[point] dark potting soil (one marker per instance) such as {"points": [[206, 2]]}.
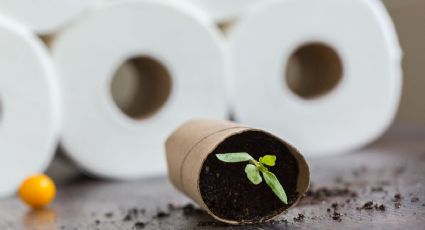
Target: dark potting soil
{"points": [[228, 193]]}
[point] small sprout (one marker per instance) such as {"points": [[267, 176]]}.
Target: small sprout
{"points": [[253, 174], [269, 160], [234, 157], [276, 187], [253, 169]]}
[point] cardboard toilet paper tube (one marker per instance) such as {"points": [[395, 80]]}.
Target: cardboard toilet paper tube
{"points": [[329, 79], [223, 189]]}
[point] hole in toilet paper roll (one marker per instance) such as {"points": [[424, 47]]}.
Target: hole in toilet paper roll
{"points": [[140, 87], [313, 70]]}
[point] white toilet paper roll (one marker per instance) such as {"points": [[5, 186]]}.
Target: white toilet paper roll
{"points": [[45, 16], [223, 10], [29, 106], [353, 41], [97, 135]]}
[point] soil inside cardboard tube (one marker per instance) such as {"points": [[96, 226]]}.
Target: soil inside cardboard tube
{"points": [[228, 193]]}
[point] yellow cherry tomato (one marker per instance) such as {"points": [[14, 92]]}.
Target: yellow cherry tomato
{"points": [[37, 191]]}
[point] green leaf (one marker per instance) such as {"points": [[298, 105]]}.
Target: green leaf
{"points": [[262, 168], [234, 157], [253, 174], [269, 160], [275, 185]]}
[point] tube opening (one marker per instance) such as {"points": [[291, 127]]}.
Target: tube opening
{"points": [[227, 192], [313, 70], [140, 87]]}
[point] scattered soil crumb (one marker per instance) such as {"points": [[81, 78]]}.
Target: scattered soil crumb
{"points": [[397, 204], [414, 199], [161, 214], [127, 218], [131, 214], [336, 216], [97, 222], [368, 205], [299, 218], [283, 221], [397, 197], [139, 225], [134, 211], [109, 214], [380, 207]]}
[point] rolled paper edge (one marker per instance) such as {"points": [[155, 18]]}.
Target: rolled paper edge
{"points": [[187, 137], [204, 141]]}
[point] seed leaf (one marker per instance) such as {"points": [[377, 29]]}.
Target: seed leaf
{"points": [[234, 157], [253, 174], [269, 160], [276, 187]]}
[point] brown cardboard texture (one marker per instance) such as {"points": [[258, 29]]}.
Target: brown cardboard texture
{"points": [[222, 188]]}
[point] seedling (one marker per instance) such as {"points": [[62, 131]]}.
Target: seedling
{"points": [[253, 169]]}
